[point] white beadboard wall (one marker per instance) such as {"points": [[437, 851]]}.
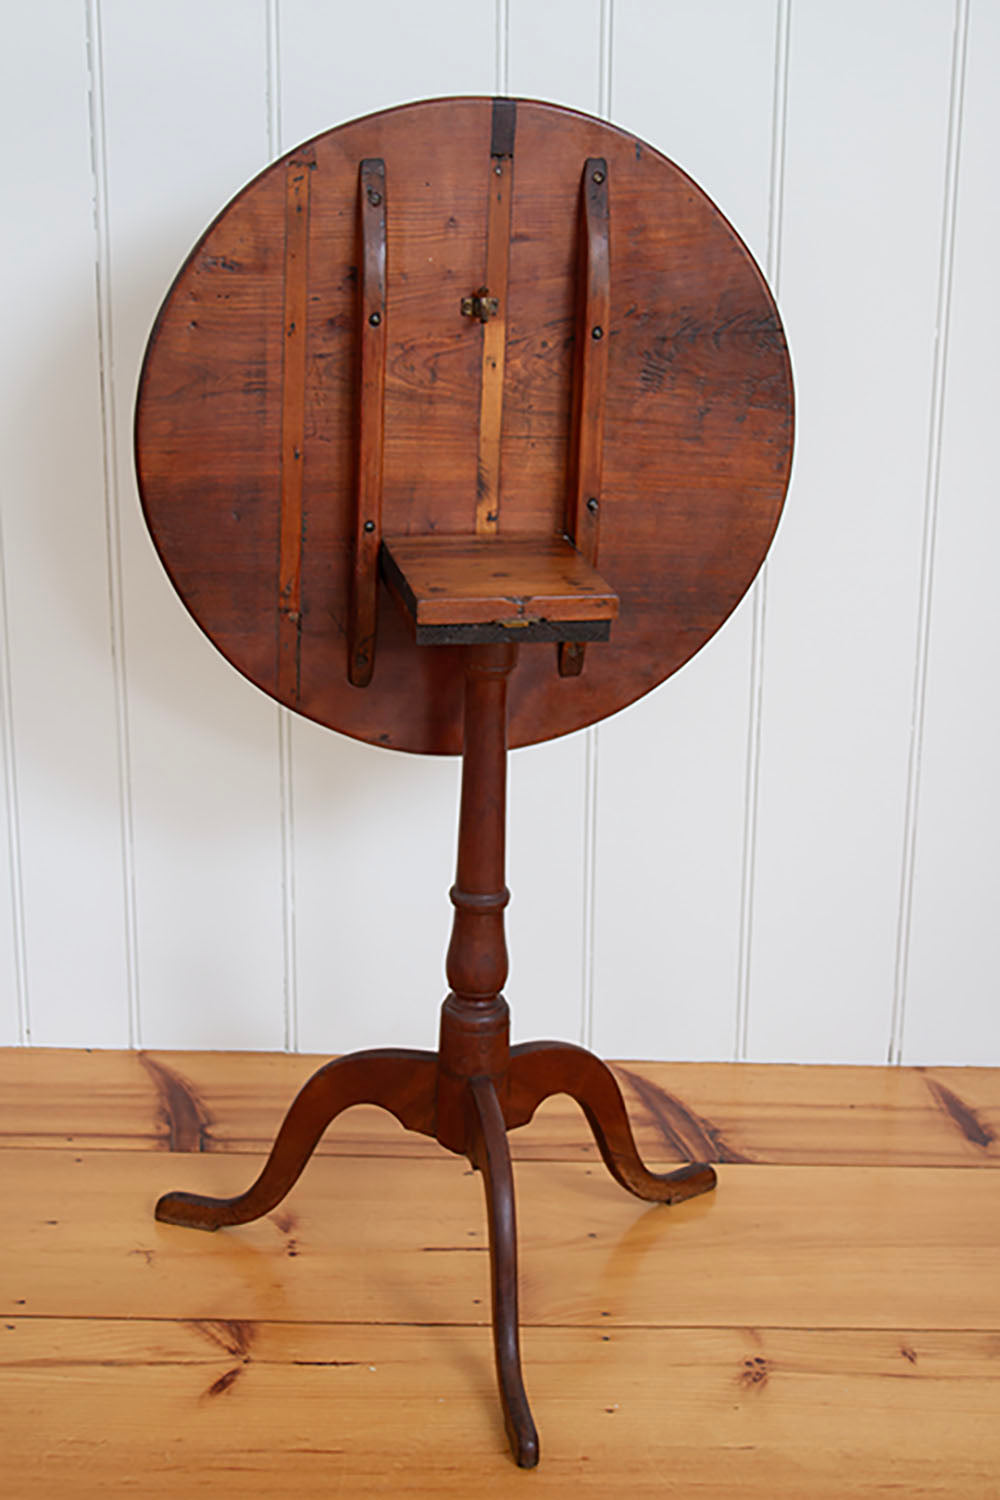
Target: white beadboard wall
{"points": [[785, 853]]}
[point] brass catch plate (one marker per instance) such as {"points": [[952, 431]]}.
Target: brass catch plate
{"points": [[480, 305]]}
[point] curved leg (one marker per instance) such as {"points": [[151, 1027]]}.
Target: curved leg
{"points": [[398, 1079], [492, 1156], [539, 1069]]}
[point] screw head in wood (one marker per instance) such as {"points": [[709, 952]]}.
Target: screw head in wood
{"points": [[592, 505], [375, 319], [597, 177], [369, 525], [597, 333], [374, 198]]}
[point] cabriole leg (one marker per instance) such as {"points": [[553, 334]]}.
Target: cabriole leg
{"points": [[399, 1080], [540, 1069], [492, 1155]]}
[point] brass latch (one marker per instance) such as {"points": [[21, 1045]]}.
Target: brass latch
{"points": [[480, 305]]}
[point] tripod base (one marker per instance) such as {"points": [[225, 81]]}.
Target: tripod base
{"points": [[470, 1115]]}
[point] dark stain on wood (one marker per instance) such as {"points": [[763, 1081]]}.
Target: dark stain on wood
{"points": [[285, 1222], [225, 1382], [690, 1136], [234, 1335], [908, 1353], [975, 1130], [753, 1375], [183, 1116]]}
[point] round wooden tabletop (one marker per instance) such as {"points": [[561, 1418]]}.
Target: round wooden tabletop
{"points": [[248, 410]]}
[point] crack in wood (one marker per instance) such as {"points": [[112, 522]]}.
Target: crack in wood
{"points": [[326, 1364], [443, 1249], [689, 1135], [184, 1115]]}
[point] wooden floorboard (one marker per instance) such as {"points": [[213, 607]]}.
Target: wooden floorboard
{"points": [[405, 1241], [211, 1101], [163, 1408], [827, 1324]]}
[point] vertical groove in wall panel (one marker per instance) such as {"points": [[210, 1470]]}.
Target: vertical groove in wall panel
{"points": [[287, 813], [697, 82], [751, 805], [286, 764], [18, 950], [185, 127], [931, 493], [951, 1011], [555, 52], [860, 269], [272, 24], [772, 266], [589, 924], [606, 55], [60, 722], [112, 509], [502, 57]]}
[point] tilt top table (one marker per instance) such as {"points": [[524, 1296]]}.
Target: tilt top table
{"points": [[463, 426]]}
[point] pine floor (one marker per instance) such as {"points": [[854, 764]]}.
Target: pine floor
{"points": [[827, 1324]]}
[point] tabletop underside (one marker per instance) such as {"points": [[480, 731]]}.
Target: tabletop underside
{"points": [[254, 386]]}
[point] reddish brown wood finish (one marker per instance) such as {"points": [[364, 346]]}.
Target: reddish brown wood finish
{"points": [[590, 380], [491, 1154], [541, 1069], [468, 580], [298, 176], [371, 420], [697, 432], [634, 374], [399, 1080], [475, 1087]]}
